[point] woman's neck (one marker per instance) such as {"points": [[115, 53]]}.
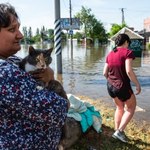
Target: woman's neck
{"points": [[121, 47], [124, 45]]}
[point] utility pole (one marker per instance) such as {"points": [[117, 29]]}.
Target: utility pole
{"points": [[70, 12], [123, 19], [57, 38]]}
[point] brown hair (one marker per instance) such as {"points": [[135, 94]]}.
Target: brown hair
{"points": [[6, 10], [120, 40]]}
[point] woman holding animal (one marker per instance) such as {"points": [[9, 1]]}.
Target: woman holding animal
{"points": [[30, 118], [118, 72]]}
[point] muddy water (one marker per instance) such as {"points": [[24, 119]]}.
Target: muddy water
{"points": [[82, 74]]}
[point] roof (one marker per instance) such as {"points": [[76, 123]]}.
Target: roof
{"points": [[129, 32]]}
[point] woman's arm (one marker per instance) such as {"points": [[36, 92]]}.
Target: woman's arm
{"points": [[19, 92], [131, 75], [105, 70]]}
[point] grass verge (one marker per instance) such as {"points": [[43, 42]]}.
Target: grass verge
{"points": [[139, 135]]}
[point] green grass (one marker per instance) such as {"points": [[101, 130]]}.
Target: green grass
{"points": [[139, 135]]}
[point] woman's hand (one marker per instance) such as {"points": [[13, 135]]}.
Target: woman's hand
{"points": [[132, 76], [105, 70], [44, 75], [138, 89]]}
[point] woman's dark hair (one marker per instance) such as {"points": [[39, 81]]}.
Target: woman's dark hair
{"points": [[6, 10], [120, 40]]}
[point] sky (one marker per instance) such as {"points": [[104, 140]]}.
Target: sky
{"points": [[38, 13]]}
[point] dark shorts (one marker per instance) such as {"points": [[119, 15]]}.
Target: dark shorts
{"points": [[123, 94]]}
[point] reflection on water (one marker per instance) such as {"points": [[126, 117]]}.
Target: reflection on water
{"points": [[82, 72]]}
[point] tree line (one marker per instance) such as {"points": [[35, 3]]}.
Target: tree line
{"points": [[42, 34]]}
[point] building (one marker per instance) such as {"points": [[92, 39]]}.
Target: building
{"points": [[147, 24]]}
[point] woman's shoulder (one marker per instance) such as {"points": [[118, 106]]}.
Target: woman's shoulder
{"points": [[10, 64], [14, 59], [125, 50], [127, 53]]}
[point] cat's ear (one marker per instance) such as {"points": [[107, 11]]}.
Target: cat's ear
{"points": [[50, 51], [31, 49]]}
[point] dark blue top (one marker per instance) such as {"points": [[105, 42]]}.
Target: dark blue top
{"points": [[30, 118]]}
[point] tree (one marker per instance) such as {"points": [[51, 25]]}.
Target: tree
{"points": [[30, 33], [37, 31], [30, 36], [24, 30], [84, 16], [90, 25], [78, 36], [99, 32], [115, 28], [37, 36], [43, 34], [51, 34]]}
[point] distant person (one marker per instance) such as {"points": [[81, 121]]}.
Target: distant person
{"points": [[30, 118], [118, 72]]}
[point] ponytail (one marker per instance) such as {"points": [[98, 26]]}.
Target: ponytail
{"points": [[120, 40]]}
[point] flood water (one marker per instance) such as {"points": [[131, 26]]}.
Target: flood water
{"points": [[82, 74]]}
